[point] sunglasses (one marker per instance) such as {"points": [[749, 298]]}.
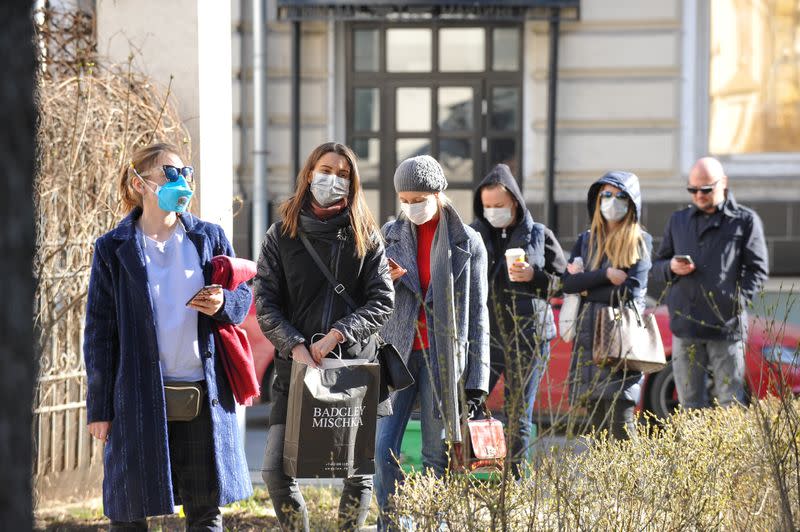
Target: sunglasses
{"points": [[172, 173], [702, 190], [609, 194]]}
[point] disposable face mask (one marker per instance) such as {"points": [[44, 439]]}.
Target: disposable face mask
{"points": [[173, 196], [498, 217], [421, 212], [613, 209], [327, 189]]}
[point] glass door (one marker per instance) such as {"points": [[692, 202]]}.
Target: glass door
{"points": [[449, 91]]}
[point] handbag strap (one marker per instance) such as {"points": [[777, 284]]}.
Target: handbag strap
{"points": [[337, 286], [615, 294]]}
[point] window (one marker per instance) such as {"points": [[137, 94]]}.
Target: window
{"points": [[754, 77], [450, 90]]}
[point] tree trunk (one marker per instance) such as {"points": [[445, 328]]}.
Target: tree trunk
{"points": [[17, 152]]}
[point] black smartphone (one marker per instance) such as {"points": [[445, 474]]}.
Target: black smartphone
{"points": [[686, 259], [206, 289]]}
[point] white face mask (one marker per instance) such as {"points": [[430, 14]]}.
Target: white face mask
{"points": [[421, 212], [613, 209], [327, 189], [499, 217]]}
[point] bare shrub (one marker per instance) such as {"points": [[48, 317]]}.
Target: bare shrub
{"points": [[87, 126], [703, 470]]}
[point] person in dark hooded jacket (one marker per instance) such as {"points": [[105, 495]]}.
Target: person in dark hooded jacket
{"points": [[616, 252], [520, 318], [295, 305]]}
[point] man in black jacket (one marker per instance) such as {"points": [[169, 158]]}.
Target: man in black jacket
{"points": [[714, 261]]}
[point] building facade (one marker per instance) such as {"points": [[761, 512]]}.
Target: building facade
{"points": [[647, 87]]}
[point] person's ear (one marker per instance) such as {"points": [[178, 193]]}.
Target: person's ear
{"points": [[137, 185]]}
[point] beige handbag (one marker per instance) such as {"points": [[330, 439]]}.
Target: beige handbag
{"points": [[625, 338]]}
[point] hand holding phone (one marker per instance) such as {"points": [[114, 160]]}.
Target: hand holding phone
{"points": [[395, 270], [203, 292], [682, 265]]}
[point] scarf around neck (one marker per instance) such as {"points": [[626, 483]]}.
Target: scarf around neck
{"points": [[337, 226], [444, 330], [324, 213]]}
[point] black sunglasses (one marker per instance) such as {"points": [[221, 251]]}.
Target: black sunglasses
{"points": [[172, 173], [609, 194], [702, 190]]}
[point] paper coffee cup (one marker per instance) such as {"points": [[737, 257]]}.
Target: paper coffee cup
{"points": [[514, 255]]}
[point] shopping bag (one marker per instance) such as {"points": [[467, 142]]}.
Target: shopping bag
{"points": [[331, 417], [568, 317]]}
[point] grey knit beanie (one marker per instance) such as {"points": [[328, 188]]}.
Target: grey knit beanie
{"points": [[422, 173]]}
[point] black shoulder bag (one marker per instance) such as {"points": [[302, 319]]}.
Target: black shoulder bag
{"points": [[394, 371]]}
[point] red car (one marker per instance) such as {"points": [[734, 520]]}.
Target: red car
{"points": [[772, 357]]}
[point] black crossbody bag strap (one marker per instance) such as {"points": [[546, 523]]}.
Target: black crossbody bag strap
{"points": [[337, 286]]}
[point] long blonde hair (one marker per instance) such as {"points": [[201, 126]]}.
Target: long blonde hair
{"points": [[364, 226], [623, 247]]}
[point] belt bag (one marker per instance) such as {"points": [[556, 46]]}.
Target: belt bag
{"points": [[184, 400]]}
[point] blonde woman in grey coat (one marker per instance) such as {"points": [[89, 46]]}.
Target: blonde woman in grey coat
{"points": [[440, 324]]}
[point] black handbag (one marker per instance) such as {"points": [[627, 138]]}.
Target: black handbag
{"points": [[394, 372]]}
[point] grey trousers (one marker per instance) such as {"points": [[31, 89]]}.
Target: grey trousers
{"points": [[694, 360], [290, 507]]}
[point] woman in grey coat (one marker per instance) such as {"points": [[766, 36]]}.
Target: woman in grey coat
{"points": [[616, 253], [440, 323]]}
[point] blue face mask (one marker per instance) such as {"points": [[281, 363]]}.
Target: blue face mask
{"points": [[173, 196]]}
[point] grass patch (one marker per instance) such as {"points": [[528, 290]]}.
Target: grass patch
{"points": [[255, 513]]}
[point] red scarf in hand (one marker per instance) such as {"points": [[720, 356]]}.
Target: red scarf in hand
{"points": [[232, 344]]}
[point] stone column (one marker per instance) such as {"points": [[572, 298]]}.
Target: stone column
{"points": [[190, 41]]}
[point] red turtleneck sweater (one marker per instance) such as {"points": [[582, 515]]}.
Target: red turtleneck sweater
{"points": [[425, 234]]}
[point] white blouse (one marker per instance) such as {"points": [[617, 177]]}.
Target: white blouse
{"points": [[173, 276]]}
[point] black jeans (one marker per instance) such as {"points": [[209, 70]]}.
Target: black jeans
{"points": [[194, 477], [617, 415]]}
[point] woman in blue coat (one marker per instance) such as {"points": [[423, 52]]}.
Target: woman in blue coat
{"points": [[141, 334], [616, 253]]}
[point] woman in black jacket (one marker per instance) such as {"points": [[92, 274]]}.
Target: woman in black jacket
{"points": [[295, 304], [616, 252]]}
